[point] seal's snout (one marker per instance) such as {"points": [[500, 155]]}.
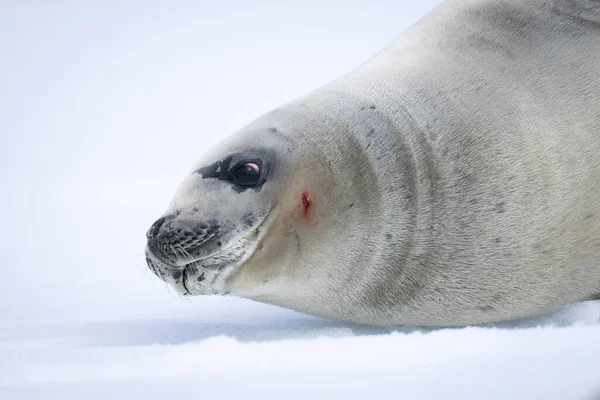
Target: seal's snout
{"points": [[158, 242], [177, 242], [153, 231]]}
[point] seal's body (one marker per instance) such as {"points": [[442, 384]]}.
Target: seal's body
{"points": [[453, 179]]}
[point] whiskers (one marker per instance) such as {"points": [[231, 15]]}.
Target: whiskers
{"points": [[179, 250], [183, 253]]}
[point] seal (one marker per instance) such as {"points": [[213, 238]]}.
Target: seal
{"points": [[453, 179]]}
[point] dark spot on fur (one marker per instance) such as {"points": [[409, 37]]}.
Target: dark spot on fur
{"points": [[176, 274], [485, 309], [248, 219], [272, 129], [201, 277], [195, 209], [497, 240], [499, 207], [388, 235], [370, 107], [219, 243], [497, 298], [298, 245], [432, 136], [369, 135], [588, 216], [351, 205]]}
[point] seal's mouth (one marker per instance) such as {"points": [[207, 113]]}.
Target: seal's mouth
{"points": [[207, 274]]}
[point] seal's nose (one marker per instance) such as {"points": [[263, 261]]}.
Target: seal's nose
{"points": [[153, 231]]}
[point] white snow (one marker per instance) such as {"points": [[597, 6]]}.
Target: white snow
{"points": [[105, 106], [285, 355]]}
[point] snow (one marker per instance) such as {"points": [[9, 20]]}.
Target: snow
{"points": [[105, 107], [289, 355]]}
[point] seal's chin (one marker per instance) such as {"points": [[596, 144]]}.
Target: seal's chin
{"points": [[208, 274]]}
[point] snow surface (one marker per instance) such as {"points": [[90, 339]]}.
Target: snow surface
{"points": [[105, 107], [285, 355]]}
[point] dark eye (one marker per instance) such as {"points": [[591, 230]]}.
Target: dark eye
{"points": [[247, 174]]}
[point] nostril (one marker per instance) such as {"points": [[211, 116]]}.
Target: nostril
{"points": [[153, 231]]}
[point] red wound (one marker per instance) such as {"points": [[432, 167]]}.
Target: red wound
{"points": [[306, 202]]}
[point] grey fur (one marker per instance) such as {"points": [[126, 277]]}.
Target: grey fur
{"points": [[454, 178]]}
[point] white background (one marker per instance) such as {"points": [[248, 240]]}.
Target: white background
{"points": [[104, 106]]}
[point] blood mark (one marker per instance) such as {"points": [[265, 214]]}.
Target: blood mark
{"points": [[306, 202]]}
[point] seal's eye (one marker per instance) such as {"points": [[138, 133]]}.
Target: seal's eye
{"points": [[247, 174]]}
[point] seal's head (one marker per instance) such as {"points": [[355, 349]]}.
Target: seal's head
{"points": [[217, 219], [276, 213]]}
